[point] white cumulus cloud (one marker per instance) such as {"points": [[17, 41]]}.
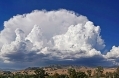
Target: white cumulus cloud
{"points": [[51, 35], [80, 37], [113, 55]]}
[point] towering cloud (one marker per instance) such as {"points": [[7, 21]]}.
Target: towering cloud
{"points": [[80, 37], [55, 36], [36, 37]]}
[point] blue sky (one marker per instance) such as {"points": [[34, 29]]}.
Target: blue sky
{"points": [[104, 13]]}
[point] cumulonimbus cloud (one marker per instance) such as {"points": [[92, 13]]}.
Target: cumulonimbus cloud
{"points": [[45, 35]]}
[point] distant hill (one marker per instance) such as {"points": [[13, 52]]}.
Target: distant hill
{"points": [[7, 69]]}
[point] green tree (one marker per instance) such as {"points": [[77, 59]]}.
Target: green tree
{"points": [[56, 75], [40, 73], [115, 75], [72, 73], [25, 74], [63, 76], [99, 71], [117, 70], [110, 74], [81, 75], [89, 73], [107, 74]]}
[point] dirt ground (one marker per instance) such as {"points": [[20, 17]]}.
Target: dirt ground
{"points": [[52, 71]]}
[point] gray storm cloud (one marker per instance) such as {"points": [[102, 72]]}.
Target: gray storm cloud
{"points": [[45, 35]]}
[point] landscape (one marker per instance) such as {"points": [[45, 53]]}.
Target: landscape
{"points": [[59, 39], [62, 71]]}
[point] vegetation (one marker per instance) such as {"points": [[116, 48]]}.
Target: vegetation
{"points": [[72, 73], [39, 73], [99, 71], [89, 73]]}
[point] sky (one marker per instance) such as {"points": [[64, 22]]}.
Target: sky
{"points": [[44, 32]]}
